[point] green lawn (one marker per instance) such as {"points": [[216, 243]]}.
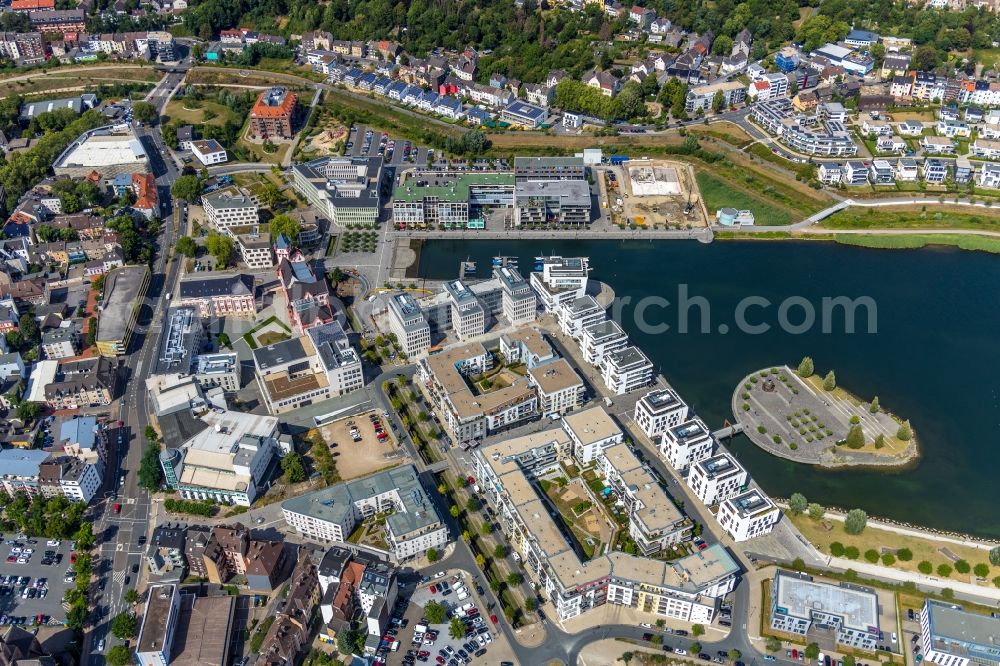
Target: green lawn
{"points": [[931, 217], [197, 116], [988, 57], [718, 193], [916, 241]]}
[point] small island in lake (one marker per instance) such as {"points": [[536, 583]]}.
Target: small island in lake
{"points": [[806, 418]]}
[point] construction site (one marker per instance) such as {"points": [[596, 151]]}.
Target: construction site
{"points": [[655, 194]]}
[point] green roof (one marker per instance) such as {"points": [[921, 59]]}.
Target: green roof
{"points": [[455, 190]]}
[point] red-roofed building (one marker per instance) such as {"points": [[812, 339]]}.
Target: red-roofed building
{"points": [[32, 5], [272, 114], [144, 186]]}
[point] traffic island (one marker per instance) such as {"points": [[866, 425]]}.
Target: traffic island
{"points": [[809, 419]]}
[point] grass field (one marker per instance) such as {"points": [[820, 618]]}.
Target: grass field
{"points": [[718, 193], [824, 532], [175, 110], [908, 217], [916, 241], [56, 80], [988, 57]]}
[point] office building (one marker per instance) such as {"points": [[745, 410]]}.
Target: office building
{"points": [[552, 202], [331, 514], [468, 416], [407, 322], [468, 317], [254, 246], [183, 629], [600, 339], [749, 515], [626, 370], [273, 114], [209, 152], [953, 636], [658, 410], [517, 298], [219, 294], [814, 609], [124, 289], [230, 207], [451, 201], [159, 626], [559, 280], [685, 444], [344, 189], [560, 389], [717, 478], [549, 168], [221, 370]]}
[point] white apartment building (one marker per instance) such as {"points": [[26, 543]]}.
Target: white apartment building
{"points": [[907, 169], [254, 247], [591, 432], [626, 370], [658, 410], [578, 314], [600, 339], [61, 342], [408, 323], [468, 317], [518, 300], [801, 603], [331, 514], [749, 515], [559, 280], [229, 208], [717, 478], [655, 523], [209, 152], [989, 175], [685, 444], [985, 148], [560, 389], [526, 345], [80, 481]]}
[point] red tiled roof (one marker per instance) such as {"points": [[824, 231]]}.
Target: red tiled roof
{"points": [[145, 187], [31, 5], [263, 110]]}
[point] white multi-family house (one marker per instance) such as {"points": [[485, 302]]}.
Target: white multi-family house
{"points": [[910, 128], [953, 128], [907, 170], [890, 144], [578, 314], [591, 432], [659, 410], [685, 444], [876, 127], [987, 148], [717, 478], [749, 515], [989, 175], [626, 370], [830, 173], [938, 145]]}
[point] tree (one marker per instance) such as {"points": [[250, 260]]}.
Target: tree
{"points": [[962, 566], [849, 660], [454, 511], [944, 570], [830, 381], [905, 432], [285, 224], [145, 112], [514, 579], [718, 101], [456, 629], [485, 529], [432, 555], [837, 549], [797, 503], [925, 58], [722, 45], [812, 651], [871, 555], [221, 247], [84, 537], [269, 194], [697, 630], [874, 406], [480, 560], [500, 551], [27, 412], [904, 554], [124, 626], [695, 648], [995, 556], [852, 552], [350, 641], [118, 655], [888, 559], [28, 328], [436, 613], [150, 472], [186, 246], [131, 596], [879, 442], [816, 511], [735, 654], [805, 368], [925, 567], [982, 570], [530, 604], [772, 644], [294, 470], [855, 437], [187, 187], [472, 504], [855, 521], [151, 434]]}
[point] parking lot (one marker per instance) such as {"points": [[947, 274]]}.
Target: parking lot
{"points": [[16, 599], [358, 144], [481, 644]]}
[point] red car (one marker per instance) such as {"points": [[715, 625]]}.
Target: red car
{"points": [[493, 619], [433, 589], [439, 659], [472, 612], [470, 480], [795, 655], [118, 507], [423, 653]]}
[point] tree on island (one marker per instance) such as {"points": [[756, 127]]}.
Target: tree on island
{"points": [[806, 368], [905, 432], [880, 441], [855, 437], [855, 521], [830, 381], [874, 407], [797, 503]]}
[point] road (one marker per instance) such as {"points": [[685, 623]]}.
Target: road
{"points": [[121, 556]]}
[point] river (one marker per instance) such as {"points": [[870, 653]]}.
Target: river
{"points": [[933, 359]]}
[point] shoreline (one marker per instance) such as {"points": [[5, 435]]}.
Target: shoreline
{"points": [[828, 457]]}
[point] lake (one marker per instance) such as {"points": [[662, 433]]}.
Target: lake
{"points": [[933, 359]]}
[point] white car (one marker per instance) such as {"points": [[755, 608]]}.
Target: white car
{"points": [[440, 574], [53, 542], [27, 551], [680, 651], [22, 560], [646, 625], [100, 645]]}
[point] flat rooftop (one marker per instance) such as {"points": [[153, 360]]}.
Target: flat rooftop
{"points": [[155, 619], [980, 633], [591, 425], [720, 465], [451, 188], [800, 597], [662, 400], [629, 356], [101, 148], [555, 376], [204, 630], [752, 503], [123, 289], [445, 367], [689, 431]]}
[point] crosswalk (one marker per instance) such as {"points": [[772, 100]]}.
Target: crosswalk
{"points": [[119, 577]]}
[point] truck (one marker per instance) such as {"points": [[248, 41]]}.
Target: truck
{"points": [[617, 160]]}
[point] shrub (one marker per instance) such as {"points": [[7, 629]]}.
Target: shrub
{"points": [[888, 559], [871, 555], [962, 567], [982, 570], [944, 570], [855, 521], [852, 553], [904, 554], [837, 549], [925, 567]]}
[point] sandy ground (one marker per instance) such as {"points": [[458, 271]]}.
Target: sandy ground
{"points": [[358, 459], [324, 142]]}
